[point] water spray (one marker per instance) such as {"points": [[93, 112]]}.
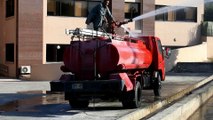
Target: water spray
{"points": [[163, 10], [172, 8]]}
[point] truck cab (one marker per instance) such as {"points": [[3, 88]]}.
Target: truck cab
{"points": [[155, 46]]}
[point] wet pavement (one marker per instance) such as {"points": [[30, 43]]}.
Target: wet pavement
{"points": [[27, 100], [13, 89]]}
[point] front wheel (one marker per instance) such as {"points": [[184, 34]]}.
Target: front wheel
{"points": [[132, 99], [157, 85]]}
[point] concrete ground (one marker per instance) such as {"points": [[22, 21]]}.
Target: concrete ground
{"points": [[12, 89]]}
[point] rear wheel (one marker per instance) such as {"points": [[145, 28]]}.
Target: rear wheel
{"points": [[157, 85], [132, 99], [78, 103]]}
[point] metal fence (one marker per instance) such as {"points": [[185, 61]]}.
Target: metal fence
{"points": [[4, 70]]}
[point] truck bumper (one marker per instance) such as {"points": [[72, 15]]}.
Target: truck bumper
{"points": [[94, 86], [57, 86], [93, 89], [88, 89]]}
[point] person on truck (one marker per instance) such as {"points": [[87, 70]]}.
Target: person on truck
{"points": [[98, 16]]}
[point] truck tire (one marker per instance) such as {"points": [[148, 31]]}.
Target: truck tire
{"points": [[157, 85], [132, 99], [78, 103]]}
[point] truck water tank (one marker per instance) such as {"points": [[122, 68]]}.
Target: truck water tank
{"points": [[82, 57]]}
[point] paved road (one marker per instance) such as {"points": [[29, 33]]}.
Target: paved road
{"points": [[33, 104]]}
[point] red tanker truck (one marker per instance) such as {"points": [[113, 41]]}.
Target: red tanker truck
{"points": [[105, 66]]}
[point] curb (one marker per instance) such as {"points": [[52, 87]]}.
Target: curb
{"points": [[184, 108], [144, 112]]}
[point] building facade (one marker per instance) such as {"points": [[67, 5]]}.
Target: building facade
{"points": [[32, 32]]}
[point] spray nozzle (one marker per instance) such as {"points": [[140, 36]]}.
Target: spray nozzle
{"points": [[124, 22], [130, 20]]}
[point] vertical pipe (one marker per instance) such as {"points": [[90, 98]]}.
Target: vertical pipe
{"points": [[17, 37], [94, 58]]}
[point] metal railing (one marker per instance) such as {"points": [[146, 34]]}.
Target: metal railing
{"points": [[4, 70], [86, 34]]}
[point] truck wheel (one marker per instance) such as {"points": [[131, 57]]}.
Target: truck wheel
{"points": [[78, 103], [132, 99], [157, 85]]}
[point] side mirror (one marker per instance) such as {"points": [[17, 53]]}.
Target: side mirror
{"points": [[167, 52]]}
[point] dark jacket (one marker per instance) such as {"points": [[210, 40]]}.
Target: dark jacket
{"points": [[98, 15]]}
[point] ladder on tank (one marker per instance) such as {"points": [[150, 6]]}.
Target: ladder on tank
{"points": [[88, 34]]}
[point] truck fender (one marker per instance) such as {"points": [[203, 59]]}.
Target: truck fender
{"points": [[126, 82]]}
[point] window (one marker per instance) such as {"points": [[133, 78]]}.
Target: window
{"points": [[65, 7], [54, 53], [191, 14], [185, 14], [9, 8], [161, 17], [60, 7], [180, 15], [72, 8], [9, 52], [132, 10], [160, 48]]}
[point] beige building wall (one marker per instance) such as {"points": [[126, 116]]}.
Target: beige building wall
{"points": [[180, 33], [209, 40], [196, 53], [209, 48]]}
